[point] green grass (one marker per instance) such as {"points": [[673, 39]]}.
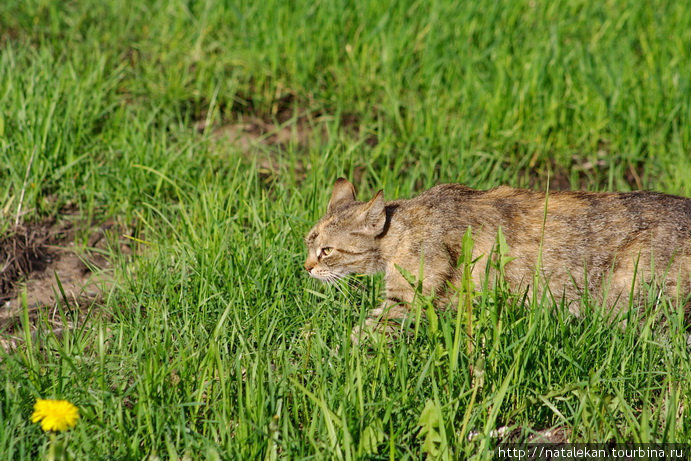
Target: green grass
{"points": [[214, 343]]}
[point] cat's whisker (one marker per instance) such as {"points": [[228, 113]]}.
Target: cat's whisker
{"points": [[348, 284], [340, 290], [355, 284], [342, 285]]}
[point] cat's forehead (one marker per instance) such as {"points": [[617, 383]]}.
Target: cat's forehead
{"points": [[337, 222], [312, 236], [318, 228], [326, 226]]}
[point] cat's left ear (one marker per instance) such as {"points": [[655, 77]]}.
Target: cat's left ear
{"points": [[343, 192], [374, 214]]}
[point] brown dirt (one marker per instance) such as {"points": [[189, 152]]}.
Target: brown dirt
{"points": [[584, 171], [33, 257], [249, 131], [249, 127], [264, 136]]}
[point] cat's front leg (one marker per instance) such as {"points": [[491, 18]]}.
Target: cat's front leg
{"points": [[393, 308], [388, 319]]}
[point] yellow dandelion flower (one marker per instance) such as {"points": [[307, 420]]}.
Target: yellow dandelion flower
{"points": [[55, 415]]}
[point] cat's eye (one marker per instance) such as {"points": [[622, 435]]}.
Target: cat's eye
{"points": [[326, 251]]}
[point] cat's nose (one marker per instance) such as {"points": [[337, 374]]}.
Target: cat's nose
{"points": [[309, 267]]}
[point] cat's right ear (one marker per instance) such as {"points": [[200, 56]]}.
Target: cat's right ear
{"points": [[343, 193]]}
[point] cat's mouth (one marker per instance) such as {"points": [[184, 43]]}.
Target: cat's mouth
{"points": [[328, 277]]}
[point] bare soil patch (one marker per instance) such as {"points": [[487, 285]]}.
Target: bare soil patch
{"points": [[264, 136], [34, 257], [248, 132], [583, 171]]}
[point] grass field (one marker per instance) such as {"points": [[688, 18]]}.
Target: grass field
{"points": [[215, 131]]}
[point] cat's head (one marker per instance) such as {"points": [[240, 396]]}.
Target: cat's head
{"points": [[345, 240]]}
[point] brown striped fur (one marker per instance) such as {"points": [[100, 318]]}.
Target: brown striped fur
{"points": [[593, 241]]}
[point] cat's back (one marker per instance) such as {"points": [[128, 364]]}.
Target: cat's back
{"points": [[450, 200], [442, 196], [452, 193], [655, 203], [579, 212]]}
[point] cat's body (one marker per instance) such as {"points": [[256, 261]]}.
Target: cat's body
{"points": [[601, 242]]}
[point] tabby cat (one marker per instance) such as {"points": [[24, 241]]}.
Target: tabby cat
{"points": [[604, 243]]}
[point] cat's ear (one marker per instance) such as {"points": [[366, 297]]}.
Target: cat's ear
{"points": [[343, 193], [374, 214]]}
